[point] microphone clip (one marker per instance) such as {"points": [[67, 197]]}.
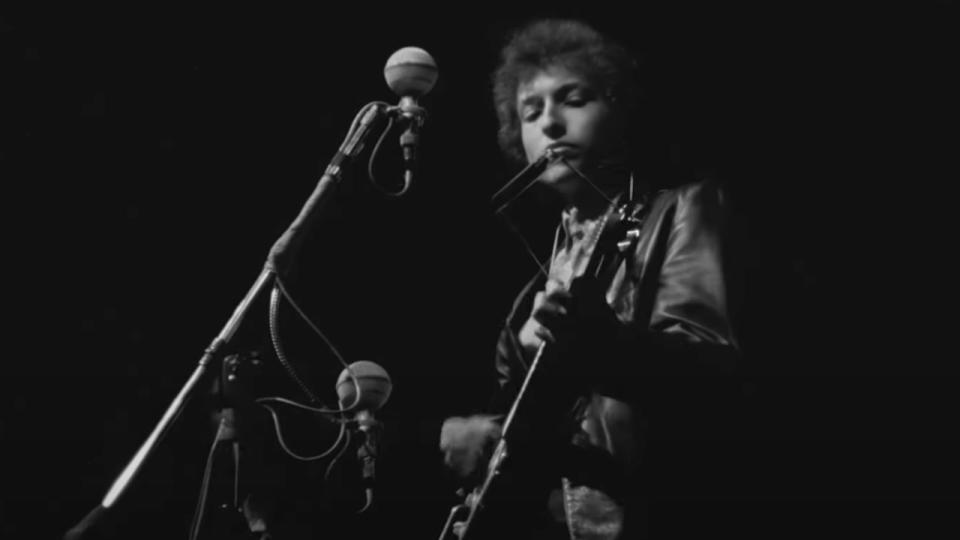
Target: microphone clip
{"points": [[367, 454], [368, 438], [411, 116], [368, 432], [408, 111]]}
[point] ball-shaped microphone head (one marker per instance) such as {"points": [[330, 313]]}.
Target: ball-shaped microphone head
{"points": [[374, 382], [410, 71]]}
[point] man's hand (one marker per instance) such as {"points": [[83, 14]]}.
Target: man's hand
{"points": [[466, 440], [550, 317], [582, 316]]}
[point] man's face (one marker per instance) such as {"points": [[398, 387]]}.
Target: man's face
{"points": [[563, 111]]}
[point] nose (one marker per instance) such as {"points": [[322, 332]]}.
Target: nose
{"points": [[552, 122]]}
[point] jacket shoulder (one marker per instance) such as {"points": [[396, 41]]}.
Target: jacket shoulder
{"points": [[707, 191], [706, 199]]}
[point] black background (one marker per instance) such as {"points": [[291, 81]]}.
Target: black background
{"points": [[151, 157]]}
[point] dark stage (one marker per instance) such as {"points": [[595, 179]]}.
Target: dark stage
{"points": [[152, 156]]}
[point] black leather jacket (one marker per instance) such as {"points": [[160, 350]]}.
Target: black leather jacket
{"points": [[672, 297]]}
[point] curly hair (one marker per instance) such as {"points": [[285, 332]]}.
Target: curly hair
{"points": [[568, 43]]}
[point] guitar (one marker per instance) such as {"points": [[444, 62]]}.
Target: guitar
{"points": [[616, 235]]}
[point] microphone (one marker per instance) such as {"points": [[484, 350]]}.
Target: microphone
{"points": [[374, 390], [411, 73]]}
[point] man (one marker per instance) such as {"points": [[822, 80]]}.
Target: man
{"points": [[612, 341]]}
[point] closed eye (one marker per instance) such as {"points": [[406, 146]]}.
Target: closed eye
{"points": [[576, 95], [529, 114]]}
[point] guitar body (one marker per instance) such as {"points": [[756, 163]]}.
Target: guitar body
{"points": [[523, 470]]}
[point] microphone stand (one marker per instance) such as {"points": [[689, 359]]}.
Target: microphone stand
{"points": [[282, 251]]}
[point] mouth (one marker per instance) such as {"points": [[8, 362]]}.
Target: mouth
{"points": [[564, 150]]}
